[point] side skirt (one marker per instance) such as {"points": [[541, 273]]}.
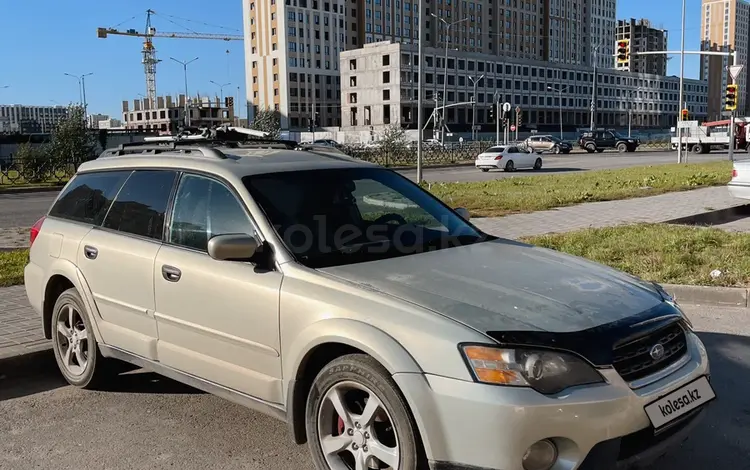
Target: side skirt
{"points": [[256, 404]]}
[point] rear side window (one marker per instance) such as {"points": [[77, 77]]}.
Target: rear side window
{"points": [[140, 206], [88, 197]]}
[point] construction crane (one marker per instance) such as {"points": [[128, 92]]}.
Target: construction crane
{"points": [[149, 51]]}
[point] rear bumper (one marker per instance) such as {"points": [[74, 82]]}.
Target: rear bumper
{"points": [[739, 190], [32, 278]]}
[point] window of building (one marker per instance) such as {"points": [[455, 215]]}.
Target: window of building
{"points": [[386, 77], [386, 60], [386, 113], [386, 95]]}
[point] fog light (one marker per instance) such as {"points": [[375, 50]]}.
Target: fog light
{"points": [[540, 456]]}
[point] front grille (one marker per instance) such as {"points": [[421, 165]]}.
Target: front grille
{"points": [[634, 361]]}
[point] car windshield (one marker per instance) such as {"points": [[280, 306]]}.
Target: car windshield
{"points": [[554, 139], [335, 217], [617, 135]]}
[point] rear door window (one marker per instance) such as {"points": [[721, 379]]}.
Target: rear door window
{"points": [[88, 197], [141, 204]]}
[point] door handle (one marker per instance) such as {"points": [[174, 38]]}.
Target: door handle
{"points": [[90, 252], [170, 273]]}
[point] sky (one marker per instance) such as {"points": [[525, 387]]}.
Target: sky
{"points": [[41, 40]]}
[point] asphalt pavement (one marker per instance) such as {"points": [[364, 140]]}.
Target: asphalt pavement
{"points": [[22, 210], [143, 421]]}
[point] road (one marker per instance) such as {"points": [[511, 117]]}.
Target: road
{"points": [[22, 210], [146, 422]]}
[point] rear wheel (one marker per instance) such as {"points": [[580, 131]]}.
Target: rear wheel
{"points": [[485, 170], [538, 164], [698, 148], [510, 166], [73, 342], [357, 418], [591, 148]]}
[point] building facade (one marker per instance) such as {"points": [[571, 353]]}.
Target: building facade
{"points": [[293, 47], [379, 88], [724, 27], [168, 113], [643, 38], [30, 119]]}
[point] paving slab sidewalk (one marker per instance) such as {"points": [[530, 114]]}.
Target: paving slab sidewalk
{"points": [[21, 330]]}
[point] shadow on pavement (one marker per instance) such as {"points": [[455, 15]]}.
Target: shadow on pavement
{"points": [[720, 440]]}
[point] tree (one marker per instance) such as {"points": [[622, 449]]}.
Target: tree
{"points": [[393, 138], [33, 162], [71, 141], [267, 120]]}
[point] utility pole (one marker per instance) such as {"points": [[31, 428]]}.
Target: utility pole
{"points": [[593, 88], [559, 91], [221, 88], [474, 106], [447, 27], [187, 96], [419, 92], [82, 91], [682, 87], [496, 104]]}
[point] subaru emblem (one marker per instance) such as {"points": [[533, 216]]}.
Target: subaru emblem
{"points": [[657, 352]]}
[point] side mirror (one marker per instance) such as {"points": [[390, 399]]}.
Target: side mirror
{"points": [[233, 247], [464, 213]]}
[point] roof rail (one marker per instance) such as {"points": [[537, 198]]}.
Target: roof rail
{"points": [[135, 148]]}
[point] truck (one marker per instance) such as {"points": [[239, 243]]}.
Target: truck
{"points": [[703, 137]]}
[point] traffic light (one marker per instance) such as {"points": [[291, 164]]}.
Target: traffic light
{"points": [[519, 117], [730, 104], [492, 113], [623, 51], [684, 114], [229, 101]]}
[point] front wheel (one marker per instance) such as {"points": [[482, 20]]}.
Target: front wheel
{"points": [[556, 150], [356, 418], [622, 148], [510, 166], [538, 164]]}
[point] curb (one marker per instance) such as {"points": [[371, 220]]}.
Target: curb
{"points": [[708, 295], [23, 190]]}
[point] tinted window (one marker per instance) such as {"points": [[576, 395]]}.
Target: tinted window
{"points": [[205, 208], [344, 216], [88, 196], [140, 206]]}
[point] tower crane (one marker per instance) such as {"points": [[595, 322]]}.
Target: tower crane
{"points": [[149, 51]]}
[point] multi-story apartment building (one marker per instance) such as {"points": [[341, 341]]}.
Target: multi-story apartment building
{"points": [[292, 57], [379, 87], [725, 26], [643, 38], [168, 114], [601, 21], [292, 47], [30, 119]]}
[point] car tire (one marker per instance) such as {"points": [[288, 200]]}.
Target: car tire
{"points": [[74, 343], [510, 166], [622, 148], [538, 164], [591, 148], [697, 148], [556, 150], [485, 170], [347, 385]]}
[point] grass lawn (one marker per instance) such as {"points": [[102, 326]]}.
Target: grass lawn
{"points": [[662, 253], [534, 193], [11, 267]]}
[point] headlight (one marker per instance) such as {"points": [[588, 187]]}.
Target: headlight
{"points": [[547, 372]]}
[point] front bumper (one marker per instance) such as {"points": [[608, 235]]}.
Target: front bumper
{"points": [[467, 425]]}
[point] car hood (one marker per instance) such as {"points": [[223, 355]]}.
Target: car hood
{"points": [[503, 285]]}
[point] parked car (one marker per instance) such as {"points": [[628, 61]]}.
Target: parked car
{"points": [[739, 185], [600, 140], [415, 339], [328, 142], [508, 157], [548, 143]]}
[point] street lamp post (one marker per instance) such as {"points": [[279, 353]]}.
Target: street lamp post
{"points": [[221, 88], [187, 96], [419, 91], [82, 91], [595, 54], [447, 27], [474, 106], [682, 87], [630, 110], [559, 91]]}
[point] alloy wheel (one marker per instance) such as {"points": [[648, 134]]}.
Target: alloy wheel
{"points": [[72, 340]]}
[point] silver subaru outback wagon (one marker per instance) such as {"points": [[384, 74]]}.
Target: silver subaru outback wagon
{"points": [[382, 326]]}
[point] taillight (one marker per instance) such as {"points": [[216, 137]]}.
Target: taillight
{"points": [[35, 230], [499, 157], [734, 173]]}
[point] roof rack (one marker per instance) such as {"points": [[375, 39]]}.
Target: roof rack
{"points": [[149, 148]]}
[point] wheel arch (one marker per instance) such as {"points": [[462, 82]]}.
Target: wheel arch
{"points": [[325, 341], [62, 276]]}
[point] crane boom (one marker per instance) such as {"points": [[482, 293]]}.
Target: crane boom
{"points": [[102, 33]]}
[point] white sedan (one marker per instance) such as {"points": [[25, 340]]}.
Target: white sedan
{"points": [[739, 186], [509, 158]]}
